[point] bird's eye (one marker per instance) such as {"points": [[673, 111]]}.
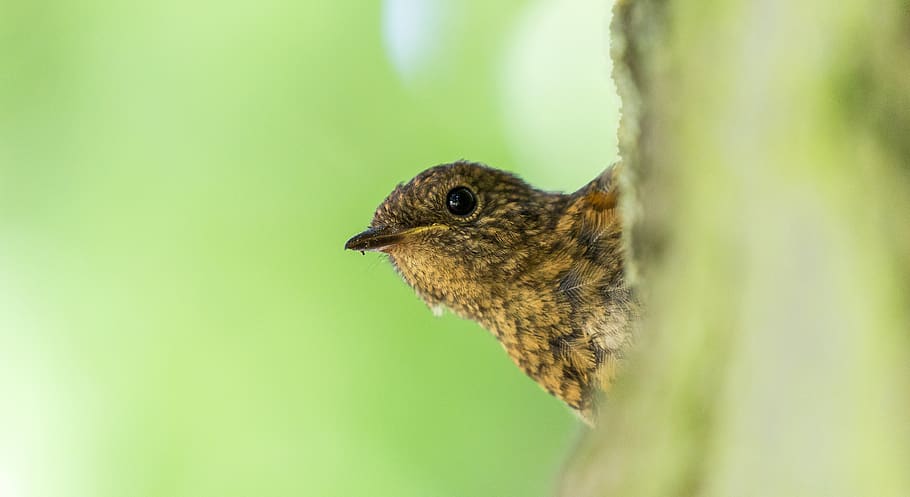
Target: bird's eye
{"points": [[461, 201]]}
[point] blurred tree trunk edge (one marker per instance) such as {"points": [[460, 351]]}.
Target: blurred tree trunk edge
{"points": [[767, 187]]}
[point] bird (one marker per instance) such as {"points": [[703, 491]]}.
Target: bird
{"points": [[544, 272]]}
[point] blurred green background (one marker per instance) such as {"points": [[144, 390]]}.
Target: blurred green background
{"points": [[177, 180]]}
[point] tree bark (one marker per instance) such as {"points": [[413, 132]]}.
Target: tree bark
{"points": [[767, 191]]}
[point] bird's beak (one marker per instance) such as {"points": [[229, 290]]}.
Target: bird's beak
{"points": [[375, 239], [378, 238]]}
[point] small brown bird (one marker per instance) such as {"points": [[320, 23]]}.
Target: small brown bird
{"points": [[541, 271]]}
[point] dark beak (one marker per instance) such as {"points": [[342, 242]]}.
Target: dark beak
{"points": [[374, 239]]}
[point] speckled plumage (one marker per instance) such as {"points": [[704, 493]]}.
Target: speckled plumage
{"points": [[541, 271]]}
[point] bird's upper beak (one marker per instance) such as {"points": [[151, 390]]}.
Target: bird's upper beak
{"points": [[375, 239]]}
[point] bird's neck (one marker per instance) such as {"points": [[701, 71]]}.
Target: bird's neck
{"points": [[566, 320]]}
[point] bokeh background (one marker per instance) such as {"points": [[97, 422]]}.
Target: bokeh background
{"points": [[177, 180]]}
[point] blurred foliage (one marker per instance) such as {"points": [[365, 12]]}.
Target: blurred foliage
{"points": [[177, 316]]}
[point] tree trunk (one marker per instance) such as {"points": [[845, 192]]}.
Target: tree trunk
{"points": [[767, 150]]}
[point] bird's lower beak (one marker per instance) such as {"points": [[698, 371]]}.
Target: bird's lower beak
{"points": [[375, 239]]}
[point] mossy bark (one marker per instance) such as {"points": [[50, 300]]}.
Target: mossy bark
{"points": [[767, 189]]}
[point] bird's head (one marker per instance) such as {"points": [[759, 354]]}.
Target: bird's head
{"points": [[456, 229]]}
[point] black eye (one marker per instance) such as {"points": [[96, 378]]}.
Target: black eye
{"points": [[461, 201]]}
